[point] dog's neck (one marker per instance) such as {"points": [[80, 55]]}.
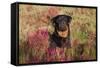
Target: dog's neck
{"points": [[61, 42]]}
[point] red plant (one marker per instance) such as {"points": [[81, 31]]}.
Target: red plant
{"points": [[75, 42], [48, 14], [38, 42], [52, 11], [39, 38], [51, 54], [55, 54]]}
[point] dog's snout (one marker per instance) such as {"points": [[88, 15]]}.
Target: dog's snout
{"points": [[62, 27]]}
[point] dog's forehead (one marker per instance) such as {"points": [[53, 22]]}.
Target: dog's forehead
{"points": [[62, 19]]}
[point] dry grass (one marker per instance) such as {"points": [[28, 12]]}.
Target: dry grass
{"points": [[33, 42]]}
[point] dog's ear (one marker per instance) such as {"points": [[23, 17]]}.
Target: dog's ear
{"points": [[69, 18], [53, 20]]}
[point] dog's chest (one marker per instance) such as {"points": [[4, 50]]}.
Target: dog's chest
{"points": [[58, 42]]}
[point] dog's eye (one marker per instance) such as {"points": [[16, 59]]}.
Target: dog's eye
{"points": [[63, 28]]}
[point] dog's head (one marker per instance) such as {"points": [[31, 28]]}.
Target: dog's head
{"points": [[61, 25]]}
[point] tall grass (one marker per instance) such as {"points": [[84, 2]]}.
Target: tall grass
{"points": [[35, 27]]}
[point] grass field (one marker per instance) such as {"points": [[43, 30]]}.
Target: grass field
{"points": [[35, 27]]}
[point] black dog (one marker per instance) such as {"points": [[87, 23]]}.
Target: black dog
{"points": [[61, 35]]}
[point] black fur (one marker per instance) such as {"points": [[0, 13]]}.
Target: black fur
{"points": [[60, 23]]}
